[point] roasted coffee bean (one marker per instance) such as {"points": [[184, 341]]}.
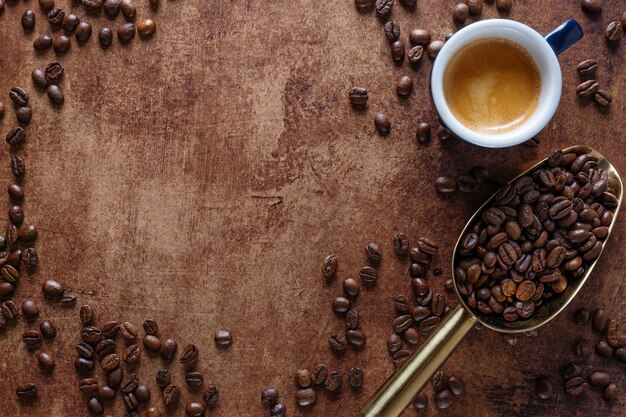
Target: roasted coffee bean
{"points": [[31, 338], [303, 378], [329, 267], [355, 377], [445, 185], [603, 98], [105, 37], [112, 8], [455, 386], [45, 360], [465, 183], [341, 305], [278, 410], [29, 308], [194, 379], [356, 338], [70, 22], [46, 5], [196, 409], [9, 310], [61, 44], [16, 137], [54, 72], [114, 378], [128, 9], [83, 366], [613, 31], [422, 133], [6, 288], [433, 49], [95, 407], [28, 234], [615, 335], [600, 320], [604, 349], [16, 215], [269, 397], [543, 388], [415, 55], [223, 338], [358, 98], [105, 347], [587, 88], [392, 31], [126, 32], [383, 8], [620, 354], [382, 123], [210, 396], [412, 336], [394, 343], [438, 304], [368, 276], [47, 329], [401, 243], [11, 275], [68, 298], [401, 303], [189, 354], [575, 386], [319, 374], [171, 395], [338, 342], [305, 397], [146, 27], [151, 327], [587, 67], [351, 287], [352, 319], [83, 32], [443, 134], [86, 314], [427, 325], [420, 286], [130, 384], [401, 323], [131, 355], [443, 399], [84, 350], [19, 96], [419, 37], [609, 393], [150, 412], [168, 348], [55, 95], [28, 20], [582, 316], [163, 378], [583, 348], [91, 334], [504, 6], [92, 4], [110, 329], [26, 391], [105, 393], [570, 371], [404, 86], [129, 331], [427, 246], [397, 52], [475, 6], [420, 402], [600, 378], [88, 386], [152, 343], [460, 13], [130, 402], [334, 381], [591, 6]]}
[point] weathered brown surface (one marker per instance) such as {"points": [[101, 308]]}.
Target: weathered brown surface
{"points": [[199, 178]]}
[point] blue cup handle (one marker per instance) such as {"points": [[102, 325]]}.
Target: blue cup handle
{"points": [[564, 36]]}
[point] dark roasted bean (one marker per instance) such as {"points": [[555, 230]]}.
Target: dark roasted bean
{"points": [[355, 377], [163, 378], [392, 31], [358, 98]]}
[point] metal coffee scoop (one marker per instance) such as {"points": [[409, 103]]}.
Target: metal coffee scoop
{"points": [[400, 389]]}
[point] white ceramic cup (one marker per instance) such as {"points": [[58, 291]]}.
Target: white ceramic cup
{"points": [[544, 51]]}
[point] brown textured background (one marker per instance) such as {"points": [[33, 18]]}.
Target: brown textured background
{"points": [[200, 177]]}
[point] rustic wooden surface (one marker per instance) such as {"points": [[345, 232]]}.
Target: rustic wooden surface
{"points": [[200, 177]]}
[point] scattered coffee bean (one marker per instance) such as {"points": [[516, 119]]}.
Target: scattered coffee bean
{"points": [[114, 378], [223, 338], [443, 399], [603, 98], [131, 355], [91, 335], [422, 133], [455, 385], [16, 137], [571, 370], [599, 379], [129, 331], [356, 338], [351, 287], [319, 374], [26, 391], [61, 44], [128, 9], [146, 27], [341, 305], [47, 329], [303, 378], [130, 384], [278, 410], [415, 55], [394, 343], [171, 395], [404, 86], [105, 393], [338, 342], [613, 31], [189, 355], [420, 402], [419, 37], [55, 95], [615, 335], [334, 381], [83, 32], [19, 96], [355, 377], [373, 253], [70, 22], [587, 67], [604, 349], [152, 343], [88, 386], [210, 396], [86, 314], [587, 88], [126, 32], [83, 366], [575, 386], [445, 185], [401, 243], [105, 37], [105, 347], [84, 350], [28, 20], [9, 310], [412, 336], [475, 7], [163, 378], [600, 320], [397, 52], [591, 6], [582, 316], [543, 388], [24, 114], [392, 31], [32, 338], [269, 397], [609, 393], [168, 348], [194, 379], [112, 8], [46, 5], [368, 276], [68, 298], [29, 309], [460, 13], [195, 409], [504, 6], [358, 99], [329, 267], [52, 288], [433, 49], [45, 360], [383, 8], [93, 4]]}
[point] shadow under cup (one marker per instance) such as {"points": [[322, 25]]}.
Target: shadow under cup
{"points": [[545, 60]]}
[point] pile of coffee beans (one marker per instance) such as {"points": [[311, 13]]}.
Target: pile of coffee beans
{"points": [[587, 69], [539, 232], [446, 388]]}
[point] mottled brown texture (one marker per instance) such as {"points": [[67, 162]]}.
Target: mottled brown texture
{"points": [[219, 166]]}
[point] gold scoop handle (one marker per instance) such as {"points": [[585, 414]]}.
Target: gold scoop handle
{"points": [[400, 389]]}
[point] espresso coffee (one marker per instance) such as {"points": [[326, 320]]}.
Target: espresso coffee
{"points": [[492, 85]]}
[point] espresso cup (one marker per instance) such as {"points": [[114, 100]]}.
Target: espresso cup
{"points": [[542, 50]]}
